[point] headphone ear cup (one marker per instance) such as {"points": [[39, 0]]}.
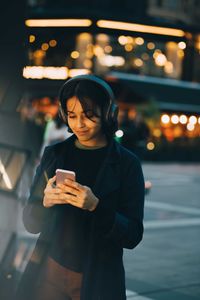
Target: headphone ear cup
{"points": [[112, 116]]}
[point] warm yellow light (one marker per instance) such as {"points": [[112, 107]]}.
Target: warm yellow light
{"points": [[119, 133], [128, 47], [108, 49], [130, 39], [157, 133], [160, 60], [87, 63], [109, 61], [102, 37], [84, 36], [138, 62], [182, 45], [183, 119], [190, 127], [52, 43], [171, 46], [75, 54], [193, 120], [40, 72], [156, 53], [31, 38], [58, 22], [180, 53], [89, 53], [45, 46], [123, 40], [75, 72], [199, 120], [168, 67], [140, 28], [174, 119], [165, 119], [139, 41], [151, 46], [98, 51], [150, 146]]}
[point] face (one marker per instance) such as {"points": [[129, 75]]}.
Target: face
{"points": [[88, 131]]}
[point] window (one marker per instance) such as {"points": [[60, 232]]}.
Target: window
{"points": [[12, 162]]}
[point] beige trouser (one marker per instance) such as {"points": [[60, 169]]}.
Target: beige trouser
{"points": [[58, 283]]}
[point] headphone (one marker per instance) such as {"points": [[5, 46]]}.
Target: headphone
{"points": [[111, 113]]}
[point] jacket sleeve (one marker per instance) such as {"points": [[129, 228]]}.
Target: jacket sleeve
{"points": [[35, 215], [125, 225]]}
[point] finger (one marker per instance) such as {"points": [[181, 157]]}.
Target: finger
{"points": [[74, 184], [75, 203], [51, 180], [51, 190], [48, 202], [67, 197], [68, 189]]}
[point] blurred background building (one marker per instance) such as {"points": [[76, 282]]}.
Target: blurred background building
{"points": [[147, 50]]}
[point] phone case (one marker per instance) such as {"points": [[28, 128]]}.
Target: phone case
{"points": [[61, 175]]}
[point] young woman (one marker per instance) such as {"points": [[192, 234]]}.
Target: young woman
{"points": [[84, 224]]}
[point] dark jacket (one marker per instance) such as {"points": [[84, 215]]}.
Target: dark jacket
{"points": [[116, 223]]}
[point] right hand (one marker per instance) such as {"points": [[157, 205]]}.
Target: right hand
{"points": [[53, 195]]}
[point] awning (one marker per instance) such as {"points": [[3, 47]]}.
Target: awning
{"points": [[171, 94]]}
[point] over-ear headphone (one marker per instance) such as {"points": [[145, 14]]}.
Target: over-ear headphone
{"points": [[110, 117]]}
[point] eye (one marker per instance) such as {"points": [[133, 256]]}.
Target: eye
{"points": [[89, 113], [70, 115]]}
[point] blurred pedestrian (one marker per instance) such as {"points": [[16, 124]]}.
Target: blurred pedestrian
{"points": [[84, 224], [55, 131], [136, 134]]}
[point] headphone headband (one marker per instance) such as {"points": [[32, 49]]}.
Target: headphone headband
{"points": [[92, 78], [112, 109]]}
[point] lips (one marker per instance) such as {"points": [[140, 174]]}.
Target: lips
{"points": [[82, 132]]}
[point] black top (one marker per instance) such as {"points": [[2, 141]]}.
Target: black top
{"points": [[73, 223]]}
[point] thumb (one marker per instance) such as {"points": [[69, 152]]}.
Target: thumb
{"points": [[52, 180]]}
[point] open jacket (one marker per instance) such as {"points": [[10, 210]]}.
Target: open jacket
{"points": [[116, 223]]}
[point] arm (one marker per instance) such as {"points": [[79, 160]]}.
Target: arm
{"points": [[125, 226], [35, 215]]}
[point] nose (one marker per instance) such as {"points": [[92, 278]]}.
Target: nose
{"points": [[80, 122]]}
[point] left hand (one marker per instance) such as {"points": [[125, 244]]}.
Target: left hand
{"points": [[78, 195]]}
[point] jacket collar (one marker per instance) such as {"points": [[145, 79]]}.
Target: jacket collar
{"points": [[108, 176], [113, 152]]}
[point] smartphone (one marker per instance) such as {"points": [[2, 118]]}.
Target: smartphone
{"points": [[61, 175]]}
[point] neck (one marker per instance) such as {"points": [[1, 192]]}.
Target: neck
{"points": [[91, 145]]}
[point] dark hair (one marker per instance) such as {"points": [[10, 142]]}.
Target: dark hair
{"points": [[86, 90]]}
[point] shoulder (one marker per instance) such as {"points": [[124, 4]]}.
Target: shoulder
{"points": [[126, 155], [52, 152], [56, 148]]}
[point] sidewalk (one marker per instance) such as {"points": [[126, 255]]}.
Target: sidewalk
{"points": [[166, 265]]}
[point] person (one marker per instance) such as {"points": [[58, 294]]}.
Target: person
{"points": [[136, 135], [84, 224], [55, 132]]}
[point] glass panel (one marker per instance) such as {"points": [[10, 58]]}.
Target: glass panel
{"points": [[11, 166]]}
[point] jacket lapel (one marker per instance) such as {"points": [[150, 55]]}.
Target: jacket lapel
{"points": [[108, 177]]}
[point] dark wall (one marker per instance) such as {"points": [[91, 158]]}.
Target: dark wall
{"points": [[121, 9]]}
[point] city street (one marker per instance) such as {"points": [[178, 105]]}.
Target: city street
{"points": [[166, 265]]}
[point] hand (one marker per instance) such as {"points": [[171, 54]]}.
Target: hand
{"points": [[53, 195], [79, 195]]}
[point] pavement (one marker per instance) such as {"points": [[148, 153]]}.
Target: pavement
{"points": [[166, 264]]}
